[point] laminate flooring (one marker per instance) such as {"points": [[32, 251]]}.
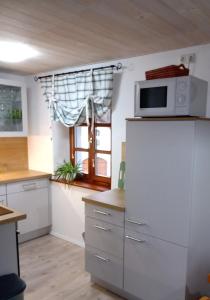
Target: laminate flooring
{"points": [[54, 270]]}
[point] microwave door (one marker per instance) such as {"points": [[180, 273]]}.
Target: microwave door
{"points": [[154, 97]]}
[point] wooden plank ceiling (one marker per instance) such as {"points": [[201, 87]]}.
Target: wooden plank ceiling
{"points": [[76, 32]]}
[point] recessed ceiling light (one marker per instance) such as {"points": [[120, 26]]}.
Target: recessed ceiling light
{"points": [[15, 52]]}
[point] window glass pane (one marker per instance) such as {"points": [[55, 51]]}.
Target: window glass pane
{"points": [[103, 165], [10, 108], [103, 138], [81, 137], [82, 158]]}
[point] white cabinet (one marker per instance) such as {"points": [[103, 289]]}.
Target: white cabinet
{"points": [[13, 109], [32, 198], [104, 239], [154, 269], [158, 178], [167, 247], [8, 250]]}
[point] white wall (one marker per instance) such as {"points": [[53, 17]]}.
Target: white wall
{"points": [[46, 154], [68, 212], [10, 76], [40, 132]]}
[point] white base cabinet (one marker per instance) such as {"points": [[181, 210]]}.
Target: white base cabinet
{"points": [[104, 238], [32, 198]]}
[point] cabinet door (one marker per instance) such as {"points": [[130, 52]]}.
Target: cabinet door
{"points": [[154, 269], [13, 108], [35, 203], [8, 249], [158, 178]]}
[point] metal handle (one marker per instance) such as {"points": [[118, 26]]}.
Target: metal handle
{"points": [[134, 222], [101, 212], [29, 187], [102, 258], [102, 228], [134, 239]]}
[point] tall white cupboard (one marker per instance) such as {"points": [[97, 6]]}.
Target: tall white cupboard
{"points": [[167, 217]]}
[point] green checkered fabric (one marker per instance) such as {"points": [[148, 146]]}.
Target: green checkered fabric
{"points": [[75, 98]]}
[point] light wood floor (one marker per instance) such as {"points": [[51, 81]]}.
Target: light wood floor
{"points": [[54, 270]]}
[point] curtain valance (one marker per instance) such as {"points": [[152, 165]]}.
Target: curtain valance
{"points": [[75, 98]]}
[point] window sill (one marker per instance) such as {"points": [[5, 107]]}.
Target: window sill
{"points": [[85, 185]]}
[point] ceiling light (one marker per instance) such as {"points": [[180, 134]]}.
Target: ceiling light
{"points": [[14, 52]]}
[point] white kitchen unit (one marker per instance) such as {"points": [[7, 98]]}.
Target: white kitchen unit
{"points": [[167, 245], [13, 109], [32, 198], [104, 235], [104, 238]]}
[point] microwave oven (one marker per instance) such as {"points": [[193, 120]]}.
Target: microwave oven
{"points": [[176, 96]]}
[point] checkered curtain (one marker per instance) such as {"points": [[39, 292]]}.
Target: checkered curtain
{"points": [[75, 98]]}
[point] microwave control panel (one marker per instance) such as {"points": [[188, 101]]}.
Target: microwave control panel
{"points": [[181, 87]]}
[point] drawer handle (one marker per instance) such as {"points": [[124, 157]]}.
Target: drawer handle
{"points": [[102, 258], [29, 187], [134, 222], [101, 212], [134, 239], [102, 228]]}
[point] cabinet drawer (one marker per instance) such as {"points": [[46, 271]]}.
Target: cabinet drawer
{"points": [[105, 214], [154, 269], [104, 236], [2, 189], [104, 266], [27, 185], [3, 200]]}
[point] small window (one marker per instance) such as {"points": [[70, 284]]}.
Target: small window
{"points": [[92, 150]]}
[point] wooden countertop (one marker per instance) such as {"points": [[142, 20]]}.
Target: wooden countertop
{"points": [[11, 215], [22, 175], [114, 199]]}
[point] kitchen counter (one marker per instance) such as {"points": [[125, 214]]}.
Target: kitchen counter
{"points": [[22, 175], [9, 215], [114, 199]]}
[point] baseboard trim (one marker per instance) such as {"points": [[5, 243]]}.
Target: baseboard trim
{"points": [[66, 238], [113, 289], [33, 234]]}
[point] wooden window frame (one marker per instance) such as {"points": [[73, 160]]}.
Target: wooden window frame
{"points": [[90, 179]]}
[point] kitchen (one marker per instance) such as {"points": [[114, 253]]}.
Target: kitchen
{"points": [[48, 142]]}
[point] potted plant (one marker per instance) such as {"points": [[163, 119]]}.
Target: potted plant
{"points": [[68, 171]]}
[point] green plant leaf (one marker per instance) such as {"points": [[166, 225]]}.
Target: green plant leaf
{"points": [[67, 171]]}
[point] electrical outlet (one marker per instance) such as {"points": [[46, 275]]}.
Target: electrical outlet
{"points": [[187, 59]]}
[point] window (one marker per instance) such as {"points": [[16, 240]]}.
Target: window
{"points": [[92, 150]]}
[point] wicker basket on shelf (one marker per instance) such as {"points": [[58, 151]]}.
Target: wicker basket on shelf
{"points": [[167, 72]]}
